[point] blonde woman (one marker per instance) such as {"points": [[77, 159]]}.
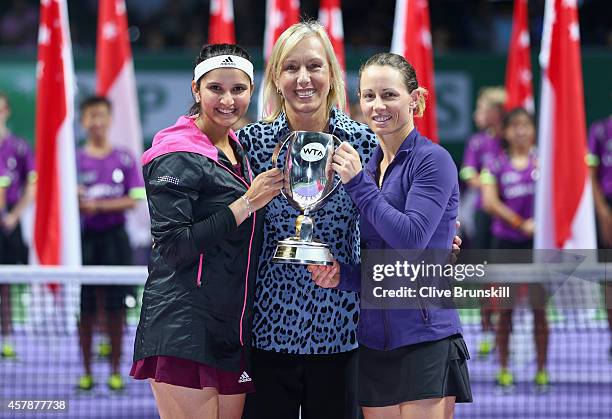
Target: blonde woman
{"points": [[304, 337], [483, 148]]}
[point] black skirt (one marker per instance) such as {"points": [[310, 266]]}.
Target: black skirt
{"points": [[415, 372]]}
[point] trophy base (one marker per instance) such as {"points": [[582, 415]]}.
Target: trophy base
{"points": [[300, 252]]}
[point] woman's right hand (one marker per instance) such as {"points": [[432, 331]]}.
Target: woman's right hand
{"points": [[265, 187], [325, 276]]}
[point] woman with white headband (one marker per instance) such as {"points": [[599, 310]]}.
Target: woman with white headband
{"points": [[195, 325]]}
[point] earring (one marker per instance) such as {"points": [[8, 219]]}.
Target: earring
{"points": [[278, 91]]}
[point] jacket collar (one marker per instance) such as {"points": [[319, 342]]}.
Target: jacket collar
{"points": [[184, 136], [407, 145]]}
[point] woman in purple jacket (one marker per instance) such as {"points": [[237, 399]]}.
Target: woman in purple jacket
{"points": [[412, 362]]}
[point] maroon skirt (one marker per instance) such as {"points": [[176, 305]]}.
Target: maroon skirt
{"points": [[191, 374]]}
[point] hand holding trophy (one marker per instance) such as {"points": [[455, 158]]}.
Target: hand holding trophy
{"points": [[309, 182]]}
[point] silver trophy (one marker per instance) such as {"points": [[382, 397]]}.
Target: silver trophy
{"points": [[309, 182]]}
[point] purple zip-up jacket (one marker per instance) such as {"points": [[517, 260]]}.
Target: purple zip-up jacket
{"points": [[416, 208]]}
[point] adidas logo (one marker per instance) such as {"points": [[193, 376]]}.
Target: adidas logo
{"points": [[244, 378], [228, 62]]}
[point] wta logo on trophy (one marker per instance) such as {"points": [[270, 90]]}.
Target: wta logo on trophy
{"points": [[313, 152], [309, 183]]}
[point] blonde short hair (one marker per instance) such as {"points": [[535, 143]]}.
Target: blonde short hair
{"points": [[273, 101], [493, 95]]}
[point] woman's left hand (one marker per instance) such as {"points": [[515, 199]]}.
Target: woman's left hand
{"points": [[346, 162]]}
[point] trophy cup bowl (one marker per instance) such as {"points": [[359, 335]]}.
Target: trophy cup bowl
{"points": [[309, 182]]}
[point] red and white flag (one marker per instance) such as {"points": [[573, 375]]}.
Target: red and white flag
{"points": [[221, 22], [564, 214], [280, 15], [57, 236], [412, 39], [116, 81], [330, 16], [519, 85]]}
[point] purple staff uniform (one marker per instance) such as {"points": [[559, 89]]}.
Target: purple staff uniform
{"points": [[104, 239], [5, 180], [17, 165], [516, 190], [480, 150], [18, 160], [113, 176], [600, 154]]}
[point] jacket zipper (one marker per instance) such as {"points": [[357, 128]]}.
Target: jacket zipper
{"points": [[422, 307], [424, 312], [199, 280], [246, 278], [383, 310], [385, 329], [382, 181]]}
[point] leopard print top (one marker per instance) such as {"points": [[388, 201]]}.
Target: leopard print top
{"points": [[291, 313]]}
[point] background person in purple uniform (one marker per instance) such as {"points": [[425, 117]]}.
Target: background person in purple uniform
{"points": [[4, 183], [18, 161], [600, 160], [482, 147], [508, 187], [109, 184], [408, 198]]}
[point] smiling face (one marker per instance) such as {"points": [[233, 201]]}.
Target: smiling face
{"points": [[386, 104], [304, 79], [224, 96]]}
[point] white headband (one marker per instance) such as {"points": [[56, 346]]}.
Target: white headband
{"points": [[223, 61]]}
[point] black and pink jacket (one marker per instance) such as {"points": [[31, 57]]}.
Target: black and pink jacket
{"points": [[198, 296]]}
